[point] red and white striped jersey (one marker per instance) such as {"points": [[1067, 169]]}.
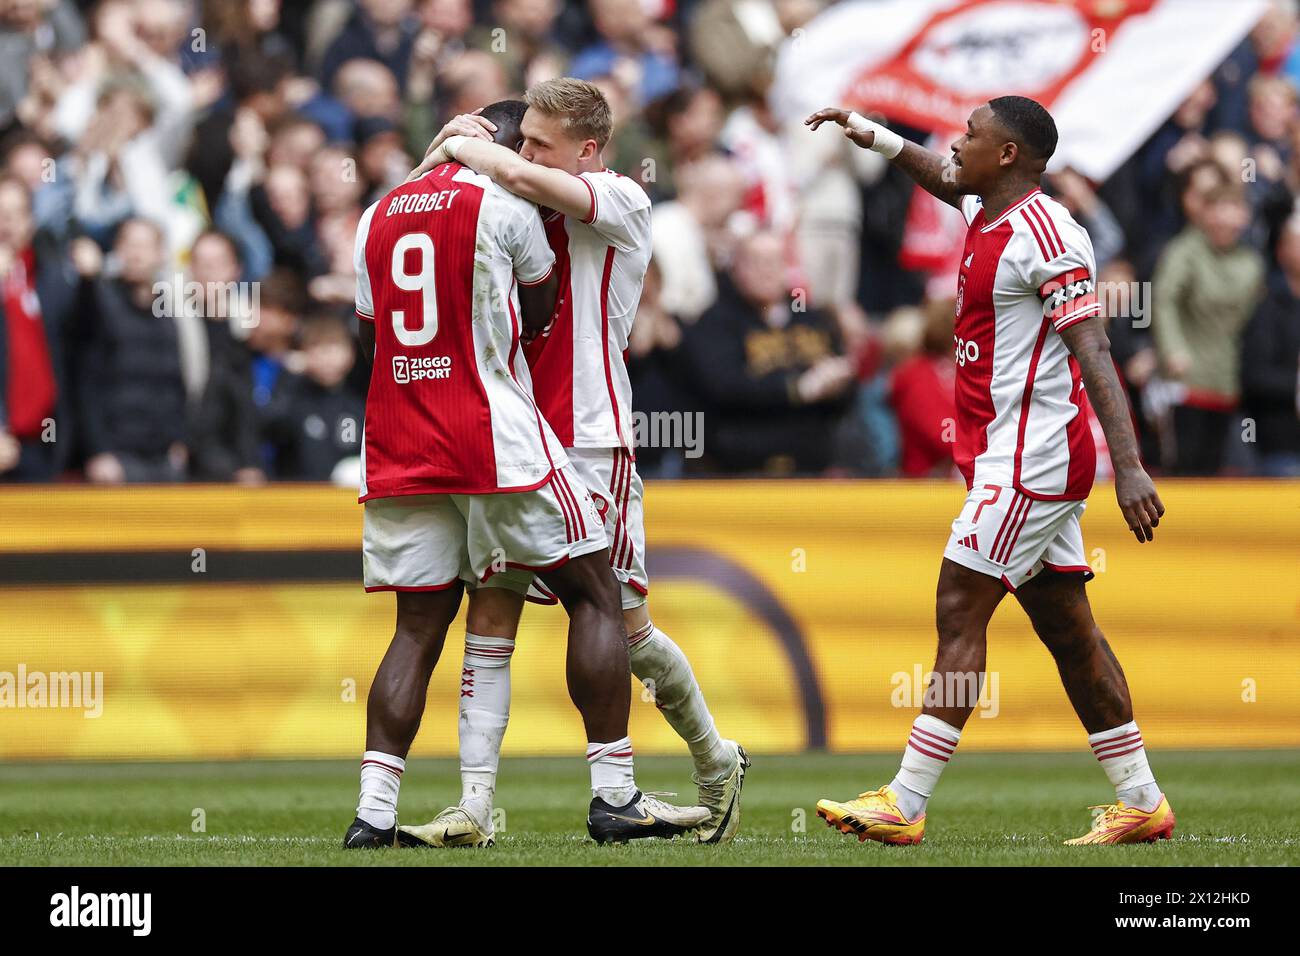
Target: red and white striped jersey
{"points": [[1025, 277], [450, 407], [579, 375]]}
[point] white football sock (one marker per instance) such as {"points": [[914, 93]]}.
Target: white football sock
{"points": [[929, 746], [656, 659], [1124, 758], [484, 713], [611, 771], [381, 776]]}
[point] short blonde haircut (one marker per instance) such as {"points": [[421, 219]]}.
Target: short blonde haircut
{"points": [[580, 105]]}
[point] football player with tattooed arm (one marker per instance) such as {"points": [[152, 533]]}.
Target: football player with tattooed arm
{"points": [[1030, 352]]}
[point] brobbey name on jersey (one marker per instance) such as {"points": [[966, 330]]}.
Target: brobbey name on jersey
{"points": [[414, 369], [422, 202]]}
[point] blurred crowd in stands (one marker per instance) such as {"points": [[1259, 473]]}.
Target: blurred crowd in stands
{"points": [[180, 183]]}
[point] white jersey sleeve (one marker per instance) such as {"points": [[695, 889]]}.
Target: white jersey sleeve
{"points": [[620, 210], [365, 302], [970, 207], [527, 245], [1055, 259]]}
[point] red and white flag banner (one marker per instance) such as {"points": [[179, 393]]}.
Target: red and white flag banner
{"points": [[1110, 71]]}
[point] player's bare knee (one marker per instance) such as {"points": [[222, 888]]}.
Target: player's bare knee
{"points": [[636, 618], [494, 612], [964, 602], [423, 616], [953, 617], [587, 581], [427, 635], [604, 595], [1059, 611], [420, 628], [1067, 638]]}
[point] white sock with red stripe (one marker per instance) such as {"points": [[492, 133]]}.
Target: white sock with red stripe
{"points": [[660, 663], [484, 713], [611, 771], [929, 746], [1124, 758], [381, 776]]}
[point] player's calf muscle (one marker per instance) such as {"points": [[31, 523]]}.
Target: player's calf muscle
{"points": [[599, 679], [395, 705]]}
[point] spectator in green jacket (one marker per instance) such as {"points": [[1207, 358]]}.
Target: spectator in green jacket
{"points": [[1205, 288]]}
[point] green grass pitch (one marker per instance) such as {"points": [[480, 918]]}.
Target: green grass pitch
{"points": [[1234, 809]]}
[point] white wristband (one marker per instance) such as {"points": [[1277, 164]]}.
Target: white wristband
{"points": [[887, 143], [452, 143]]}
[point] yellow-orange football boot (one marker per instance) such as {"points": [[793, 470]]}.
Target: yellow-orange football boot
{"points": [[1117, 823], [873, 816]]}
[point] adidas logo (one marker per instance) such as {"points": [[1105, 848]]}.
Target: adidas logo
{"points": [[969, 259], [969, 542]]}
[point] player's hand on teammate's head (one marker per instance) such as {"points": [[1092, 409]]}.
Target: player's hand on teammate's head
{"points": [[463, 124], [832, 114], [1139, 503]]}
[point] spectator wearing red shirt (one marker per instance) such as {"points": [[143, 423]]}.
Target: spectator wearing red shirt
{"points": [[37, 289], [921, 394]]}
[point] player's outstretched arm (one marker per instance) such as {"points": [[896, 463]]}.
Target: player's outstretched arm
{"points": [[1138, 501], [930, 170], [553, 188]]}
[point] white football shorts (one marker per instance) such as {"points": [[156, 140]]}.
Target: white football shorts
{"points": [[1010, 536], [429, 542], [615, 487]]}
